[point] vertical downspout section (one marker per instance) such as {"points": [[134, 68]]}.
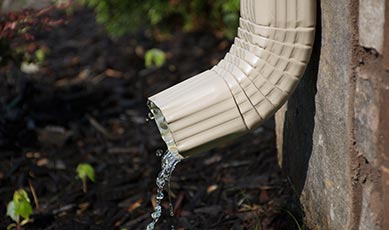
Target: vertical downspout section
{"points": [[255, 78]]}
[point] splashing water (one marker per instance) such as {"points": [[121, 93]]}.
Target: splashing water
{"points": [[150, 116], [159, 152], [169, 161]]}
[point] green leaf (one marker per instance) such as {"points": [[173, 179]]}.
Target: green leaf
{"points": [[11, 211], [155, 57], [122, 16], [155, 17], [85, 171], [24, 209], [231, 6], [20, 196], [19, 206], [40, 55]]}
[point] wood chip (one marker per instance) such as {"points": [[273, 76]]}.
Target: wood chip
{"points": [[211, 188], [179, 202], [33, 155], [83, 206], [213, 160], [135, 205], [42, 162], [113, 73], [153, 201], [99, 127], [211, 210], [118, 150]]}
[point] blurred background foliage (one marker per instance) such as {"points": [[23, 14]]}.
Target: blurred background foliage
{"points": [[167, 16], [162, 18]]}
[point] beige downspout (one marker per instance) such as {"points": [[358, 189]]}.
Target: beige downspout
{"points": [[248, 86]]}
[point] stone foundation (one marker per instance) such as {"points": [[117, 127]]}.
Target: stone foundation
{"points": [[331, 134]]}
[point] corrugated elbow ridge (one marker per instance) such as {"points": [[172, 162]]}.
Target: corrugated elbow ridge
{"points": [[255, 78]]}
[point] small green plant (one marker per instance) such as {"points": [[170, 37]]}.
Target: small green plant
{"points": [[122, 16], [19, 209], [85, 172], [40, 55], [154, 57]]}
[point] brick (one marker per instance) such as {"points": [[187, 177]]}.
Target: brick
{"points": [[371, 24], [315, 139], [366, 115]]}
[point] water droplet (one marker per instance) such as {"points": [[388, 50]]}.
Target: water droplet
{"points": [[160, 182], [157, 213], [151, 226], [171, 209], [159, 196], [159, 152], [150, 116]]}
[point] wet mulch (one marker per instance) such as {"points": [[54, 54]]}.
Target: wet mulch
{"points": [[87, 104]]}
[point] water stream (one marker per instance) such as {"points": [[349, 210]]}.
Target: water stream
{"points": [[168, 162]]}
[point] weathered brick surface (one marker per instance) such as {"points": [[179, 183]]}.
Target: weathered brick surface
{"points": [[367, 123], [366, 115], [371, 23], [316, 128], [371, 208], [384, 149], [332, 140]]}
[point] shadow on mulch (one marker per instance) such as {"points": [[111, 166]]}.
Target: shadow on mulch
{"points": [[87, 104]]}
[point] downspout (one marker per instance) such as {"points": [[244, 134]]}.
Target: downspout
{"points": [[255, 78]]}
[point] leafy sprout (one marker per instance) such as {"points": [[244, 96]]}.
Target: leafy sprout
{"points": [[155, 57], [19, 209], [40, 55], [85, 172]]}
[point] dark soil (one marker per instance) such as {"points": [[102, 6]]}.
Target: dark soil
{"points": [[87, 104]]}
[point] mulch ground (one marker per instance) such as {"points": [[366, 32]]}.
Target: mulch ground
{"points": [[87, 104]]}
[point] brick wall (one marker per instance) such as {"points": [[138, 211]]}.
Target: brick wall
{"points": [[332, 134]]}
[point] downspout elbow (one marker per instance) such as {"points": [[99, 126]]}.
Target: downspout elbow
{"points": [[256, 77]]}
